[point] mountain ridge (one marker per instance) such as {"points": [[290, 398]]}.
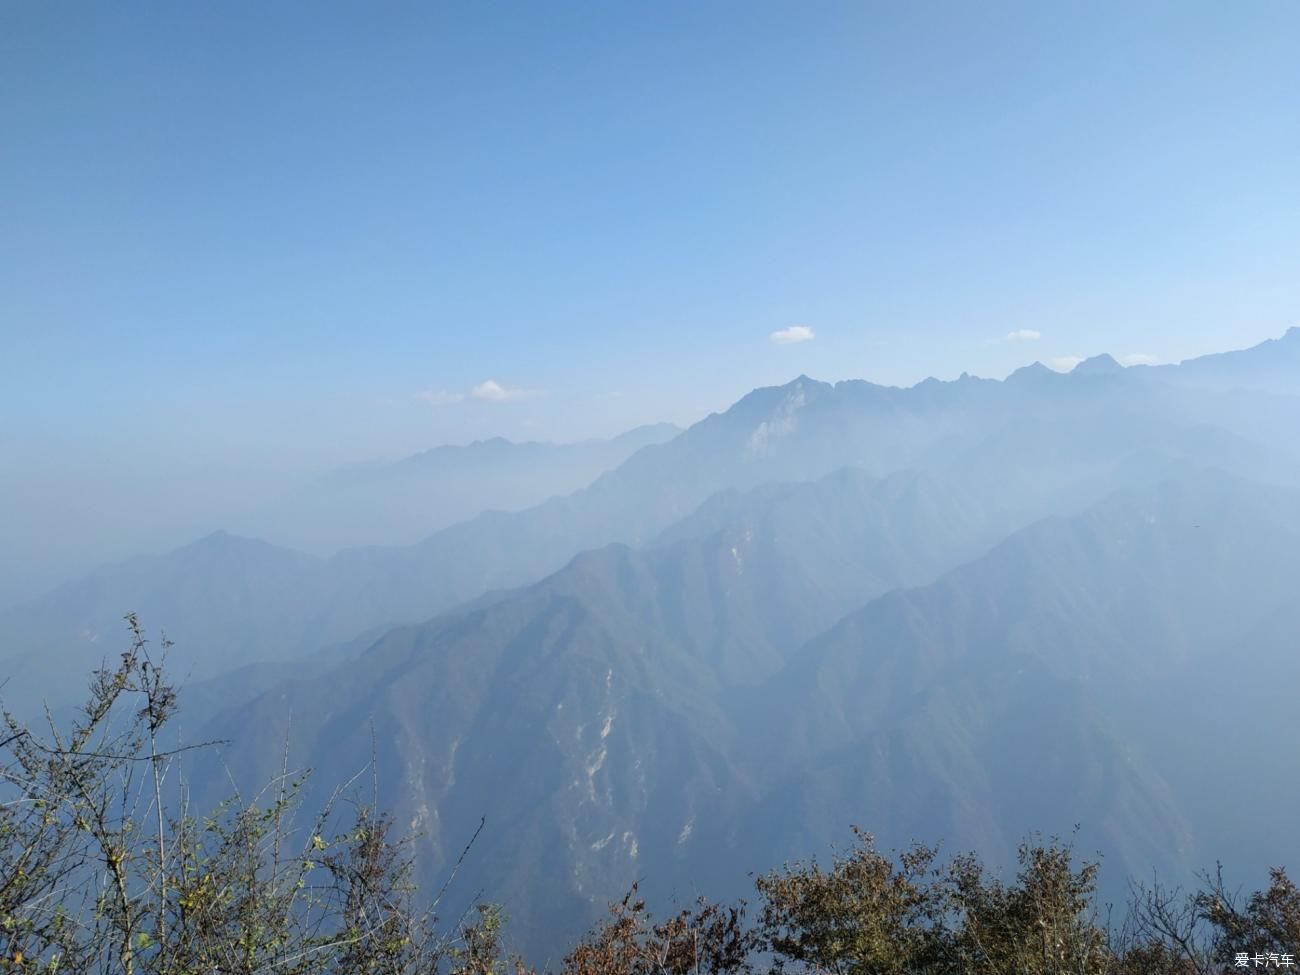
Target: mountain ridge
{"points": [[797, 432]]}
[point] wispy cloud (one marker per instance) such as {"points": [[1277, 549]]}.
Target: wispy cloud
{"points": [[1138, 359], [1064, 363], [493, 391], [439, 397], [792, 335], [1024, 335], [489, 390]]}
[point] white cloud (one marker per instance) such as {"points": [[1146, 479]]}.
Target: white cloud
{"points": [[1064, 363], [792, 335], [1139, 359], [489, 390], [1024, 335], [439, 397], [492, 390]]}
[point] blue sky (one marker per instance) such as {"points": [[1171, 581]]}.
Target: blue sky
{"points": [[243, 239]]}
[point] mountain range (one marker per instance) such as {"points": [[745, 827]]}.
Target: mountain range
{"points": [[961, 611], [228, 600], [401, 502]]}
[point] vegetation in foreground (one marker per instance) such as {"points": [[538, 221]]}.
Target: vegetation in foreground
{"points": [[104, 868]]}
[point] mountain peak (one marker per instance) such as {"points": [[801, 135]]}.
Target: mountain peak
{"points": [[1098, 365], [1035, 370], [224, 541], [804, 381], [797, 391], [219, 547], [218, 537]]}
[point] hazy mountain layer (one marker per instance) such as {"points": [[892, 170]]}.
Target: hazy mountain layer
{"points": [[1037, 444], [639, 715], [1075, 674], [401, 502]]}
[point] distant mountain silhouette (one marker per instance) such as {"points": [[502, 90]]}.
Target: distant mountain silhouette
{"points": [[1273, 366], [403, 501], [1098, 365]]}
